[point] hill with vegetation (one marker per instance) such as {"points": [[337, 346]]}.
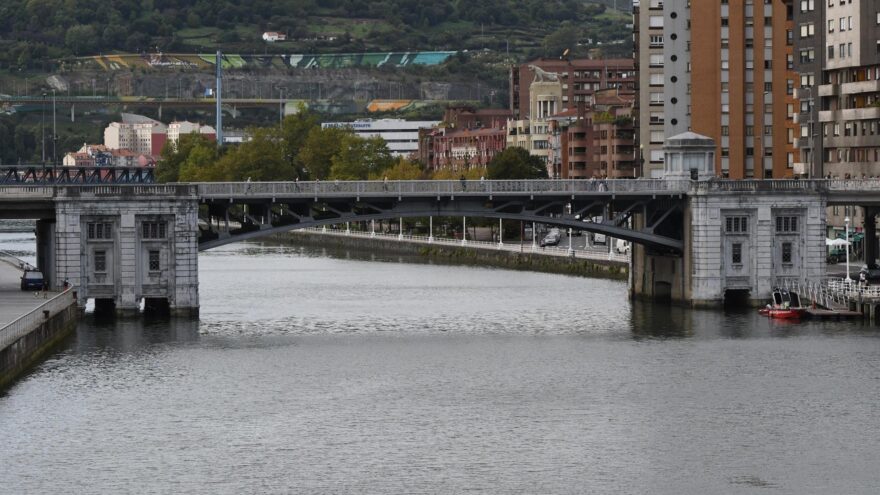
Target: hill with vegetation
{"points": [[33, 32]]}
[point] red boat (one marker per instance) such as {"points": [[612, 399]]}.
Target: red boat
{"points": [[786, 305]]}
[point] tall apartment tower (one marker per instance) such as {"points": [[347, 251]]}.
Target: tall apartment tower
{"points": [[849, 93], [728, 75], [809, 60], [648, 40]]}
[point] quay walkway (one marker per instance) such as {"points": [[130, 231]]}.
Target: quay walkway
{"points": [[31, 323], [15, 302]]}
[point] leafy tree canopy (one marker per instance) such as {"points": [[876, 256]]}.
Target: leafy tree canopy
{"points": [[516, 163]]}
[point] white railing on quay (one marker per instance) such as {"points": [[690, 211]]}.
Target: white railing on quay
{"points": [[558, 251], [29, 321]]}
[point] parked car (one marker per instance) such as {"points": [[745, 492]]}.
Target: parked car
{"points": [[551, 239], [621, 246], [32, 280]]}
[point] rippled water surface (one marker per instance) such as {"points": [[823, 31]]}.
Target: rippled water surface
{"points": [[324, 372]]}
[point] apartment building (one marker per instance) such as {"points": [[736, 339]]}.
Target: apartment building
{"points": [[849, 94], [729, 75], [580, 78], [649, 60], [809, 60]]}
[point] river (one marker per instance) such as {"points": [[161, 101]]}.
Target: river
{"points": [[332, 372]]}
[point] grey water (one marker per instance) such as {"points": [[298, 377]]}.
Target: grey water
{"points": [[313, 371]]}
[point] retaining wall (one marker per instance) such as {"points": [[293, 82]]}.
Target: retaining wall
{"points": [[525, 260]]}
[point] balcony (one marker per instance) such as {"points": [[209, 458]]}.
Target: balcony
{"points": [[851, 142], [829, 90], [849, 114], [855, 88]]}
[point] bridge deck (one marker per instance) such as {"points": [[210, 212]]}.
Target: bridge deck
{"points": [[15, 302]]}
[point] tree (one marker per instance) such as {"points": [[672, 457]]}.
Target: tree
{"points": [[295, 131], [200, 163], [81, 40], [317, 150], [260, 159], [558, 41], [359, 159], [403, 170], [516, 163], [173, 157]]}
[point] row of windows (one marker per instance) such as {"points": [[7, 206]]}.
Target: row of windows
{"points": [[104, 230], [154, 263], [740, 224], [736, 252]]}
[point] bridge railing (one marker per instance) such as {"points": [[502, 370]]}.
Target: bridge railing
{"points": [[439, 187], [80, 191], [43, 192]]}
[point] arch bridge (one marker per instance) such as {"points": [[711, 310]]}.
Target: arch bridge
{"points": [[694, 241]]}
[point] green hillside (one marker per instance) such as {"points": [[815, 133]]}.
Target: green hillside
{"points": [[35, 31]]}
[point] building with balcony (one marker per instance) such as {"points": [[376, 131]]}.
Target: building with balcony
{"points": [[579, 79], [460, 150], [727, 74]]}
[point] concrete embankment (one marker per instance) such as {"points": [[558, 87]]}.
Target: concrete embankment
{"points": [[31, 324], [444, 253]]}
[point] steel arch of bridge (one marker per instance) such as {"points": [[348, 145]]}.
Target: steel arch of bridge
{"points": [[38, 175], [262, 209]]}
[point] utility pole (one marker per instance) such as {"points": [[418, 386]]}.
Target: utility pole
{"points": [[54, 133], [219, 98], [43, 128]]}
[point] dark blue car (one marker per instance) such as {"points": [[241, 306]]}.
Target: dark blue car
{"points": [[32, 280]]}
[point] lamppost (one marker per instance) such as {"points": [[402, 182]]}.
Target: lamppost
{"points": [[846, 221], [811, 170], [43, 129], [54, 134]]}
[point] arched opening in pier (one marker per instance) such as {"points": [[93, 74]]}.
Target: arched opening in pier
{"points": [[737, 298]]}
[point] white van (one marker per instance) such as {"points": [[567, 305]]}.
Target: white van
{"points": [[621, 246]]}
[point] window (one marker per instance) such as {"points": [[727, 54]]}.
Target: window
{"points": [[100, 261], [736, 253], [655, 21], [153, 261], [154, 230], [786, 224], [656, 79], [100, 230], [736, 225], [786, 252]]}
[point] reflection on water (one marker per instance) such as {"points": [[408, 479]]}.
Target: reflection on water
{"points": [[316, 371]]}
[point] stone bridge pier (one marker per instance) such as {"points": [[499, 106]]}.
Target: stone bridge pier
{"points": [[740, 238], [126, 246]]}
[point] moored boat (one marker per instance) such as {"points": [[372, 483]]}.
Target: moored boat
{"points": [[786, 305]]}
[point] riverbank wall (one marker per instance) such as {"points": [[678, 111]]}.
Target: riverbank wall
{"points": [[526, 259], [28, 350]]}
